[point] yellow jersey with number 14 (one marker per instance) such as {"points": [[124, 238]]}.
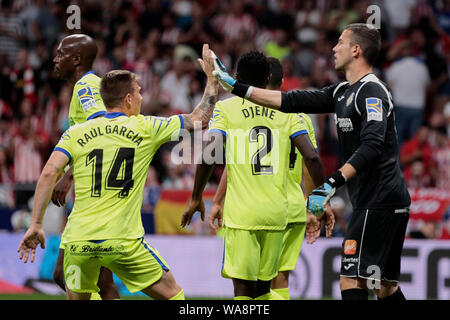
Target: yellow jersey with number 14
{"points": [[256, 152], [110, 158]]}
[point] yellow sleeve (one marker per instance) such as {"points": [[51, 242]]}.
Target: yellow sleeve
{"points": [[218, 122], [65, 143], [297, 125], [310, 128], [164, 129]]}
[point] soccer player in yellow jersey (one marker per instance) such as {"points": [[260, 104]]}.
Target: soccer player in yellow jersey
{"points": [[256, 206], [298, 219], [74, 58], [110, 156]]}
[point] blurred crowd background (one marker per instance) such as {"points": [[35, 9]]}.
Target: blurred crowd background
{"points": [[161, 39]]}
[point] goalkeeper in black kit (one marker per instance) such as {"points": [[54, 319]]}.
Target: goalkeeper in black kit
{"points": [[363, 108]]}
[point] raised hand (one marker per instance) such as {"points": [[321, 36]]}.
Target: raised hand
{"points": [[206, 62], [220, 73]]}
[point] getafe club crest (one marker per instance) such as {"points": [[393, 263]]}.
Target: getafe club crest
{"points": [[350, 99]]}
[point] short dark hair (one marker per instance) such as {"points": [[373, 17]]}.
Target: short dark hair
{"points": [[368, 38], [276, 72], [253, 68], [115, 85]]}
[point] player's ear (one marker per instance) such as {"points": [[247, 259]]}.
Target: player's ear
{"points": [[76, 59], [129, 101], [357, 51]]}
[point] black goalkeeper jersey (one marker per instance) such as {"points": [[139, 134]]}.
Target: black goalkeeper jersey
{"points": [[368, 140]]}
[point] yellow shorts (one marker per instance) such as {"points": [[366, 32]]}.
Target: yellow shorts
{"points": [[293, 237], [134, 261], [251, 254]]}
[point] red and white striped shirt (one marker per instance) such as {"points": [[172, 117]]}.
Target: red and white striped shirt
{"points": [[231, 26], [28, 83], [27, 160]]}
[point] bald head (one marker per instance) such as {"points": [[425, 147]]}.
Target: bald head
{"points": [[75, 56], [84, 46]]}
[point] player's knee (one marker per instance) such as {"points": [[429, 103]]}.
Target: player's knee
{"points": [[346, 283], [179, 295], [171, 287], [176, 292], [352, 283], [172, 291]]}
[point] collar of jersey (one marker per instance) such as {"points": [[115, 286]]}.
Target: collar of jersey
{"points": [[89, 72], [360, 79], [111, 115]]}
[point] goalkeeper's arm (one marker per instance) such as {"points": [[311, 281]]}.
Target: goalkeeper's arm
{"points": [[308, 101]]}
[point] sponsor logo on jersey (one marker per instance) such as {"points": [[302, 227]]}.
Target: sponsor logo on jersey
{"points": [[374, 109], [350, 247], [86, 98], [344, 124]]}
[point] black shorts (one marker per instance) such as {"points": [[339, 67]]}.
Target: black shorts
{"points": [[373, 244]]}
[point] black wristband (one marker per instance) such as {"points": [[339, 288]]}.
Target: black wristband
{"points": [[336, 179], [240, 89]]}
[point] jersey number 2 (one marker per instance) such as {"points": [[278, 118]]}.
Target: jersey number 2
{"points": [[124, 183], [257, 167]]}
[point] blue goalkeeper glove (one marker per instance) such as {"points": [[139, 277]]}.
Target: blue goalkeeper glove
{"points": [[228, 82], [319, 197], [221, 74]]}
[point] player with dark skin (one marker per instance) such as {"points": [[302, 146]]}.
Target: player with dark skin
{"points": [[369, 148], [74, 57]]}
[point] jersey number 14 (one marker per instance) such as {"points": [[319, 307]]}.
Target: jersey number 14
{"points": [[116, 170]]}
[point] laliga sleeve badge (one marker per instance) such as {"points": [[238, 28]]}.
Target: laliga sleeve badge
{"points": [[374, 107]]}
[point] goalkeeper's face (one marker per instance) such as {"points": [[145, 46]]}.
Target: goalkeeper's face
{"points": [[343, 51]]}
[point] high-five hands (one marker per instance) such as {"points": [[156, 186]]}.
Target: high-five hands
{"points": [[220, 73]]}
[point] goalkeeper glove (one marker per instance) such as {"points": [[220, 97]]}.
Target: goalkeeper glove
{"points": [[228, 82], [319, 197]]}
